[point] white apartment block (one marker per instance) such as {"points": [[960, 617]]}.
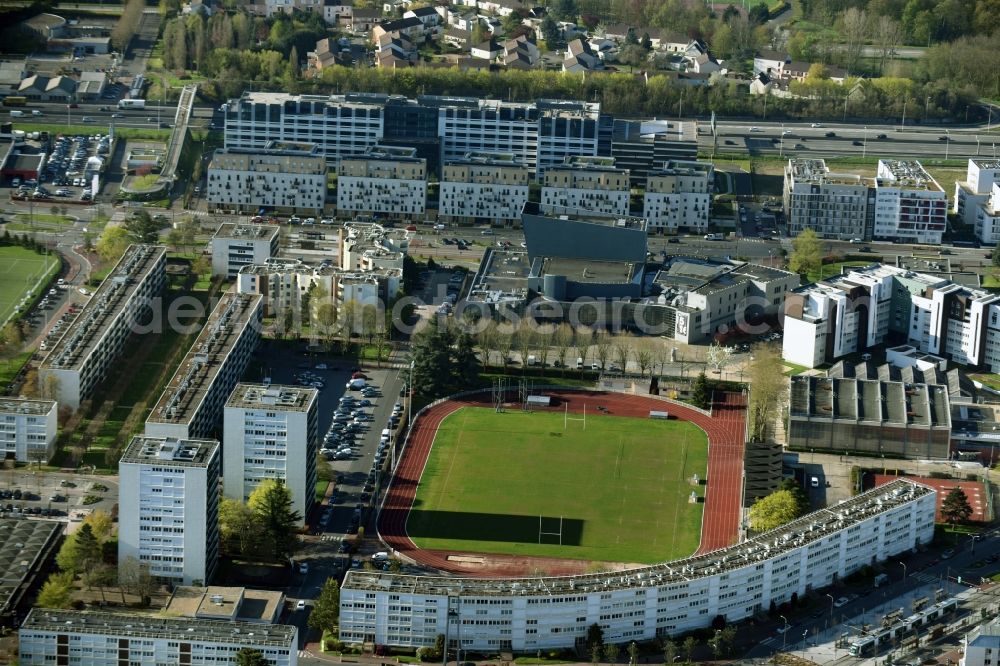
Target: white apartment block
{"points": [[538, 134], [386, 180], [237, 245], [910, 206], [586, 185], [28, 429], [834, 205], [679, 196], [271, 433], [371, 247], [169, 507], [483, 187], [290, 179], [982, 645], [91, 638], [191, 404], [644, 603], [980, 177], [80, 360], [987, 217]]}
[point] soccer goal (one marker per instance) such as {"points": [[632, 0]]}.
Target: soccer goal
{"points": [[550, 528]]}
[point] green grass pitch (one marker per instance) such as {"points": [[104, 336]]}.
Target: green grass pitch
{"points": [[621, 486], [20, 270]]}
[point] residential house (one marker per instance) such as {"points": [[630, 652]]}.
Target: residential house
{"points": [[457, 37], [426, 15], [337, 12], [498, 7], [463, 21], [469, 63], [522, 46], [488, 50], [198, 7], [769, 62], [581, 58], [704, 63], [663, 40], [517, 60], [392, 47], [695, 48], [761, 84], [413, 28], [364, 20], [325, 54]]}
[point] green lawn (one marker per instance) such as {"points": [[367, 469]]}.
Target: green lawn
{"points": [[21, 270], [829, 270], [620, 486]]}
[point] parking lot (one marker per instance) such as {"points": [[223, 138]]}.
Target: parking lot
{"points": [[31, 494], [74, 162]]}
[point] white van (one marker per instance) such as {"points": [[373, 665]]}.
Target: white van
{"points": [[386, 434], [579, 363], [532, 360]]}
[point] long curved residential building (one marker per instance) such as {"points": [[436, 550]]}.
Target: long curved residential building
{"points": [[528, 614]]}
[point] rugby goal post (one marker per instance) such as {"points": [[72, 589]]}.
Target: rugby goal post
{"points": [[567, 418], [542, 531]]}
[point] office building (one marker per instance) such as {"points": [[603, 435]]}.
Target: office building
{"points": [[642, 146], [854, 416], [834, 205], [980, 176], [98, 638], [538, 134], [644, 603], [280, 177], [80, 360], [26, 551], [390, 181], [271, 433], [237, 245], [910, 206], [483, 187], [28, 429], [585, 185], [169, 507], [882, 304], [679, 196], [191, 405]]}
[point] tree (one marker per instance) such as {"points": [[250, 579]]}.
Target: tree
{"points": [[444, 361], [142, 228], [550, 30], [135, 578], [56, 592], [701, 394], [238, 526], [669, 652], [511, 22], [326, 610], [956, 507], [633, 653], [767, 386], [718, 356], [602, 347], [773, 511], [565, 10], [759, 13], [996, 254], [632, 55], [271, 503], [807, 253], [595, 635], [250, 657], [801, 498], [690, 643], [113, 243], [127, 24], [855, 31], [611, 652]]}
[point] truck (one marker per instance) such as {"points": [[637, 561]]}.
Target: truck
{"points": [[15, 100], [17, 114], [131, 104]]}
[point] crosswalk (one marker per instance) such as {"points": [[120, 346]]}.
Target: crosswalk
{"points": [[925, 577]]}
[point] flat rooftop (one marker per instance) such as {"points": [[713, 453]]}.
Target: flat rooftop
{"points": [[650, 130], [273, 397], [225, 603], [157, 626], [985, 164], [874, 401], [24, 544], [230, 231], [683, 168], [25, 406], [104, 307], [622, 222], [170, 451], [487, 158], [583, 270], [197, 372], [805, 170], [502, 277], [795, 534], [906, 173]]}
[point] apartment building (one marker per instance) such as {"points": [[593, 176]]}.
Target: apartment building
{"points": [[483, 187], [237, 245], [386, 180], [271, 433], [191, 405], [28, 429], [834, 205], [642, 146], [644, 603], [587, 185], [980, 177], [538, 134], [910, 206], [366, 247], [982, 645], [679, 196], [282, 177], [169, 507], [987, 217], [97, 638], [81, 359]]}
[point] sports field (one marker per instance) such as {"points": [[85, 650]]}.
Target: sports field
{"points": [[517, 483], [20, 270]]}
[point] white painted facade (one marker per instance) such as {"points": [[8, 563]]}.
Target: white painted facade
{"points": [[237, 245], [386, 181], [585, 185], [641, 604], [28, 429], [270, 432], [910, 206], [169, 507], [679, 196], [284, 179], [980, 177], [986, 216]]}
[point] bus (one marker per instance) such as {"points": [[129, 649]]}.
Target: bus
{"points": [[15, 101]]}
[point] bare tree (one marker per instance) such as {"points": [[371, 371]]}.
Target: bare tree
{"points": [[524, 340], [505, 343], [542, 343], [643, 356], [562, 339], [767, 385], [135, 578], [888, 33], [855, 31], [718, 357], [488, 339], [622, 346], [582, 338], [602, 347]]}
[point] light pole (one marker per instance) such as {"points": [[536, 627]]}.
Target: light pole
{"points": [[781, 145], [784, 634], [927, 107], [903, 564], [831, 605], [864, 150], [947, 143], [902, 125]]}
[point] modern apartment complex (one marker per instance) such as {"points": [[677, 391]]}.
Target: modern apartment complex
{"points": [[588, 185], [271, 433], [191, 405], [538, 134], [642, 146], [483, 187], [281, 177], [386, 180], [169, 507], [982, 645], [237, 245], [878, 304], [679, 196], [28, 429], [980, 177], [81, 359], [987, 214], [94, 638], [645, 603], [902, 203]]}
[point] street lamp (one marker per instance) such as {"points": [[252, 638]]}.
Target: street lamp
{"points": [[947, 143], [784, 634], [903, 564], [902, 125], [781, 145], [831, 605], [927, 107], [864, 150]]}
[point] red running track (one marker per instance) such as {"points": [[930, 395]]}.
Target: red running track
{"points": [[720, 524]]}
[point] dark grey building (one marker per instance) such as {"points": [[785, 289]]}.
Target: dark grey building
{"points": [[584, 237]]}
